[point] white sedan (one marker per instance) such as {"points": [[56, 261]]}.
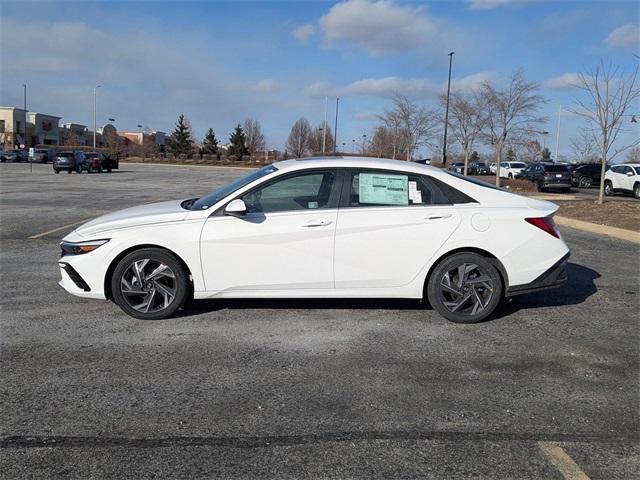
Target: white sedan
{"points": [[323, 227]]}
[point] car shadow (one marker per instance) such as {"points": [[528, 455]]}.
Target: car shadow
{"points": [[579, 287]]}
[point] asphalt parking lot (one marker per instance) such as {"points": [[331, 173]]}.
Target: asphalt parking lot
{"points": [[548, 388]]}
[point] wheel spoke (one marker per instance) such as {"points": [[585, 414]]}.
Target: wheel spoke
{"points": [[144, 303], [152, 295], [138, 270], [161, 270], [446, 284], [166, 292], [480, 279]]}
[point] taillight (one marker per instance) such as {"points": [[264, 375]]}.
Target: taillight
{"points": [[544, 223]]}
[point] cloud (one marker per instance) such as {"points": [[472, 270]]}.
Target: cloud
{"points": [[303, 32], [380, 27], [563, 82], [489, 4], [386, 87], [267, 85], [626, 36]]}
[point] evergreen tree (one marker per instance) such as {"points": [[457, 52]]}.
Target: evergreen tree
{"points": [[238, 145], [475, 157], [546, 155], [511, 155], [181, 141], [210, 144]]}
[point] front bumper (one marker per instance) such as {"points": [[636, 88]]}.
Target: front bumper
{"points": [[554, 277]]}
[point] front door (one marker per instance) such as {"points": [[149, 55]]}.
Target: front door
{"points": [[284, 242]]}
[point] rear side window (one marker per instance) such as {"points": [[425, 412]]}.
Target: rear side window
{"points": [[556, 168], [373, 188]]}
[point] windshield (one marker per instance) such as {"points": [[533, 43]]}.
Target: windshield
{"points": [[217, 195]]}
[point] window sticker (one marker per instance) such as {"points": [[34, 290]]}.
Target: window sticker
{"points": [[312, 205], [383, 189]]}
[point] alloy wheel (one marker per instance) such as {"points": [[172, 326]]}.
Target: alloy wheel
{"points": [[585, 182], [148, 285], [466, 289]]}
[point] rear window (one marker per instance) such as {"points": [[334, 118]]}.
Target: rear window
{"points": [[65, 154], [556, 168]]}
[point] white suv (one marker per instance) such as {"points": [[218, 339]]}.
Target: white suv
{"points": [[623, 178], [511, 169]]}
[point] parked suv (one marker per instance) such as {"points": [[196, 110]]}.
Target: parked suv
{"points": [[457, 167], [584, 176], [69, 161], [44, 155], [511, 169], [15, 155], [98, 162], [549, 176], [623, 178]]}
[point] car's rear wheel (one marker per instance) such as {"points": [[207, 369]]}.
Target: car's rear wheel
{"points": [[150, 284], [636, 191], [585, 182], [55, 170], [89, 169], [69, 171], [465, 288], [608, 188]]}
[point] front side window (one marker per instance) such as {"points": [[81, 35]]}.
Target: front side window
{"points": [[372, 188], [306, 191]]}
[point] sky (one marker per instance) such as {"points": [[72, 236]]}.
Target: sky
{"points": [[219, 63]]}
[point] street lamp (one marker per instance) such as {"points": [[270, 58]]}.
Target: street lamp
{"points": [[544, 139], [446, 114], [335, 128], [94, 115]]}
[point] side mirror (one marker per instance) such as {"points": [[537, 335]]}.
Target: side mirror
{"points": [[236, 208], [629, 174]]}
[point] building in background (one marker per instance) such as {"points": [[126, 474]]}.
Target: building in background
{"points": [[43, 129], [74, 134], [153, 139], [13, 127]]}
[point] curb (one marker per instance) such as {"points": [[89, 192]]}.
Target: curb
{"points": [[182, 165], [620, 233]]}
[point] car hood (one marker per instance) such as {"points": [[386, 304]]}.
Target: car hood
{"points": [[153, 213]]}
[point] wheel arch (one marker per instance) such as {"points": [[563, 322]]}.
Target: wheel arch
{"points": [[504, 277], [112, 266]]}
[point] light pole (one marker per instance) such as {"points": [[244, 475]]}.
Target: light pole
{"points": [[558, 133], [24, 85], [446, 114], [94, 115], [324, 125], [335, 129]]}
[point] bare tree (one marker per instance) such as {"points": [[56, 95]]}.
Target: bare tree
{"points": [[414, 124], [512, 111], [466, 120], [298, 141], [584, 146], [382, 142], [608, 96], [254, 139], [633, 156], [315, 140]]}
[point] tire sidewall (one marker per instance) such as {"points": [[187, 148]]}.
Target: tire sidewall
{"points": [[182, 282], [608, 189], [435, 298]]}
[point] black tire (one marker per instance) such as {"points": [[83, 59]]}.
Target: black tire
{"points": [[179, 283], [70, 170], [55, 170], [608, 188], [79, 169], [489, 291], [585, 182], [99, 168], [89, 169], [636, 191], [510, 176], [566, 190]]}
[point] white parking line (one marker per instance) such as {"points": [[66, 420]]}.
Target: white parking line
{"points": [[563, 462], [33, 237]]}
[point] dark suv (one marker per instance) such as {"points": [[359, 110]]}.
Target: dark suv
{"points": [[549, 176], [584, 176], [69, 161], [97, 162]]}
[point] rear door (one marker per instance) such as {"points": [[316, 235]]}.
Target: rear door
{"points": [[389, 225]]}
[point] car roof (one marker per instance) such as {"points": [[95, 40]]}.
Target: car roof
{"points": [[354, 162]]}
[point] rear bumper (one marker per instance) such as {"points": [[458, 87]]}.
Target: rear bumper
{"points": [[554, 277]]}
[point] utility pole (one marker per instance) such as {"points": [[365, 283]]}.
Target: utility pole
{"points": [[94, 115], [26, 143], [335, 129], [558, 135], [324, 126], [446, 114]]}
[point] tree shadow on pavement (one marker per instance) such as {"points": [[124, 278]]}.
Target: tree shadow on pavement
{"points": [[578, 288]]}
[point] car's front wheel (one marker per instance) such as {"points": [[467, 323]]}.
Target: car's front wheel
{"points": [[150, 284], [584, 182], [465, 288]]}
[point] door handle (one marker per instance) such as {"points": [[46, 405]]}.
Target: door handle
{"points": [[317, 223], [438, 217]]}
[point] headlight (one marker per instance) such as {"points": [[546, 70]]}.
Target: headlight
{"points": [[78, 248]]}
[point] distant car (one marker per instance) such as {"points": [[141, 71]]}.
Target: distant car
{"points": [[96, 162], [477, 168], [457, 167], [624, 178], [526, 172], [548, 176], [584, 176], [44, 155], [69, 161], [511, 169], [15, 155], [492, 168]]}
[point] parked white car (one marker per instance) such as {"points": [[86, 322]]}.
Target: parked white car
{"points": [[327, 227], [511, 169], [623, 178], [492, 167]]}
